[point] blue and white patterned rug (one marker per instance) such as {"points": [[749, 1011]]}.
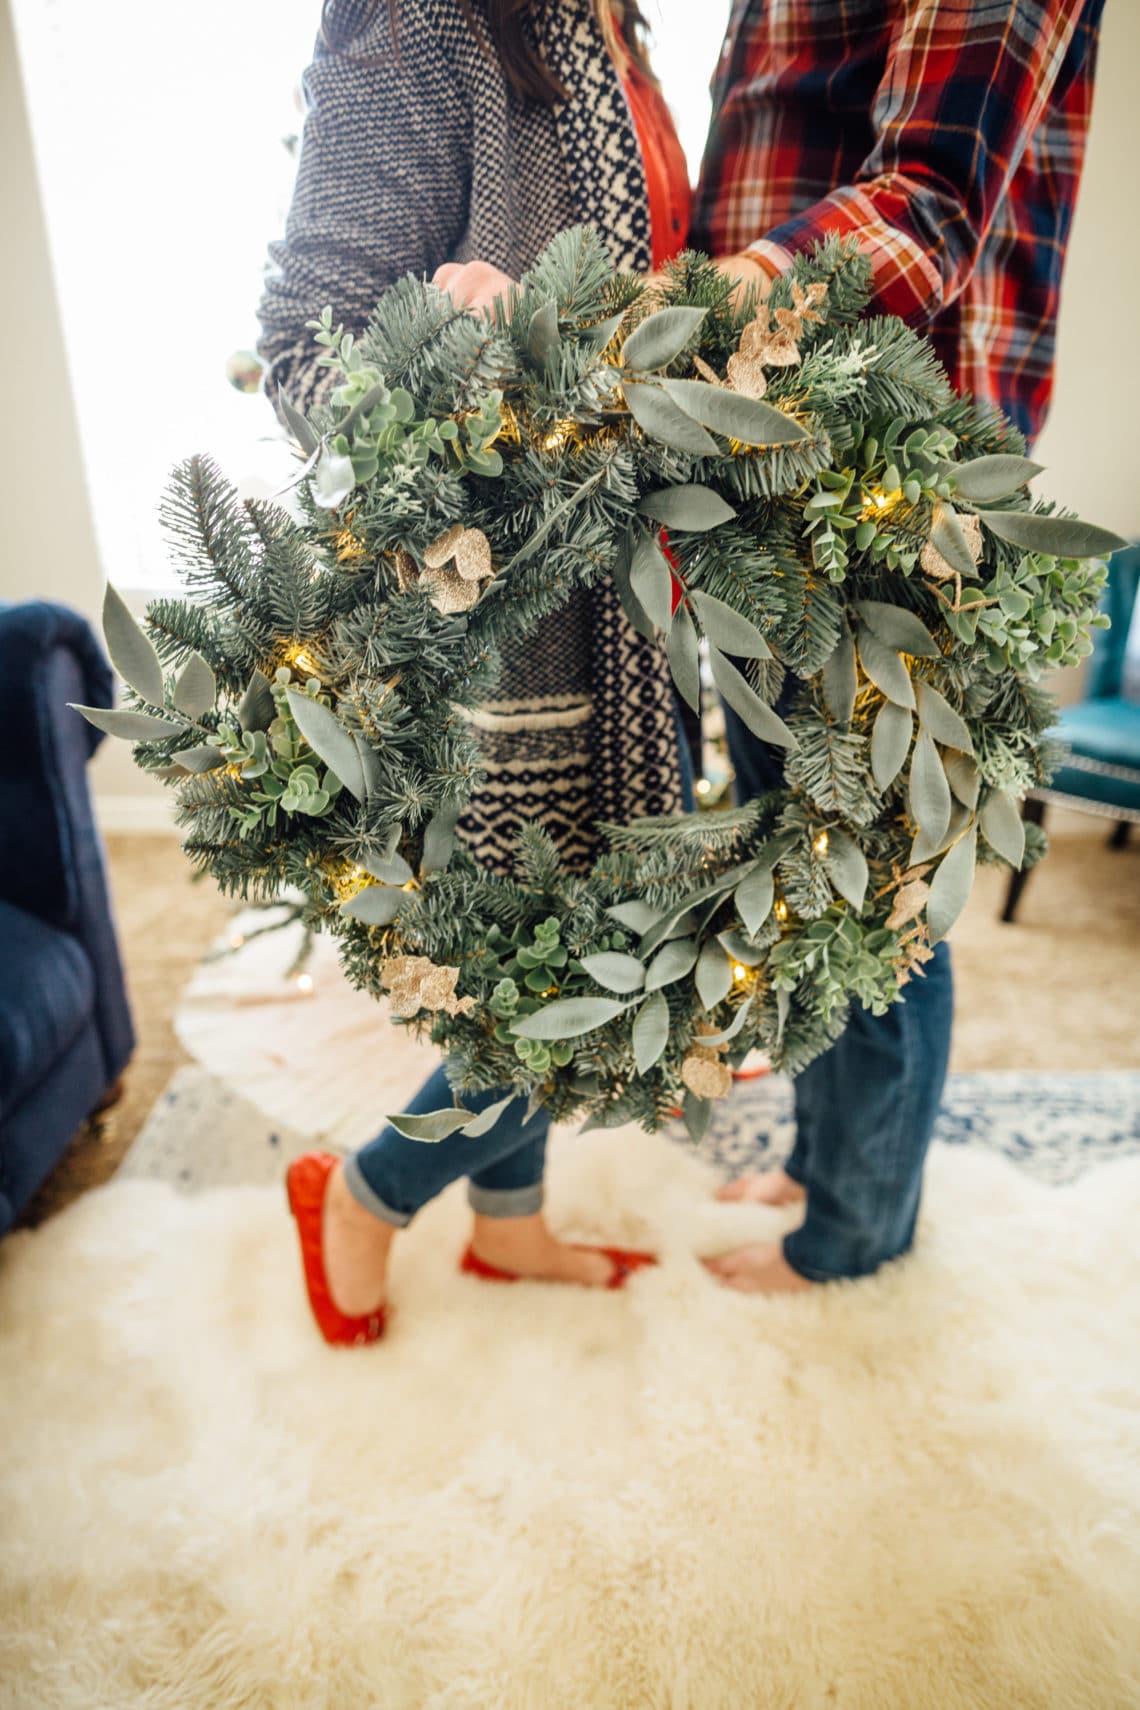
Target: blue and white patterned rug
{"points": [[1055, 1125], [203, 1134]]}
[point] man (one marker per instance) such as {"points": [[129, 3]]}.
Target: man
{"points": [[947, 137]]}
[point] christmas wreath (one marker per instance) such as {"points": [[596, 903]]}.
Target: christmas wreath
{"points": [[837, 520]]}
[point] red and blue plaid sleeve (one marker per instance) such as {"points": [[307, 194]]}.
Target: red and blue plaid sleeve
{"points": [[965, 86]]}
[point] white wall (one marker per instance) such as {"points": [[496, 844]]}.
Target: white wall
{"points": [[1091, 443], [47, 536], [47, 541]]}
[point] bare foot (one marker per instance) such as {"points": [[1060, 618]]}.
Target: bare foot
{"points": [[355, 1247], [772, 1187], [757, 1270], [525, 1247]]}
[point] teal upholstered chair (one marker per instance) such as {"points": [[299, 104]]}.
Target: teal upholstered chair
{"points": [[1101, 770]]}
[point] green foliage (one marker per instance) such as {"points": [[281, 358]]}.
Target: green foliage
{"points": [[858, 526]]}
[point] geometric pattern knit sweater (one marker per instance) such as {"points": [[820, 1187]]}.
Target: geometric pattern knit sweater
{"points": [[415, 153]]}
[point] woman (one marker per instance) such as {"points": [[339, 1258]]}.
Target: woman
{"points": [[455, 140]]}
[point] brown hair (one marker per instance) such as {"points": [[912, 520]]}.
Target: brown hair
{"points": [[621, 21]]}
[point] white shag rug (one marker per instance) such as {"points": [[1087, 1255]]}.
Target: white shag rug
{"points": [[918, 1491]]}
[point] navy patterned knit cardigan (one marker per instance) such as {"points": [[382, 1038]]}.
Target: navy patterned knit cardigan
{"points": [[419, 153]]}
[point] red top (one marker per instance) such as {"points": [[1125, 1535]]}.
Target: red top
{"points": [[666, 171]]}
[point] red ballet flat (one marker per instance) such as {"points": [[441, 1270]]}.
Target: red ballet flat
{"points": [[623, 1260], [306, 1182]]}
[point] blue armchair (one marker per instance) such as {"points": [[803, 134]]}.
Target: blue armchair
{"points": [[65, 1024], [1100, 773]]}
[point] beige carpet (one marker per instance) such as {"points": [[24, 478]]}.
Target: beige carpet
{"points": [[921, 1492], [1060, 990]]}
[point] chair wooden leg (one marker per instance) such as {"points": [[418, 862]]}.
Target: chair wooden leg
{"points": [[1034, 813], [1120, 834]]}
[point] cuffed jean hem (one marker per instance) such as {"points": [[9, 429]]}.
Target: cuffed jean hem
{"points": [[813, 1273], [368, 1197], [505, 1202]]}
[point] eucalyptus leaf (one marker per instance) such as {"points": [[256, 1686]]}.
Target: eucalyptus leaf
{"points": [[616, 971], [962, 776], [597, 337], [754, 897], [936, 715], [890, 743], [390, 869], [986, 478], [660, 418], [132, 651], [884, 666], [951, 886], [926, 848], [257, 708], [713, 975], [298, 426], [846, 867], [369, 763], [1063, 537], [361, 408], [840, 679], [486, 1119], [727, 629], [693, 508], [431, 1125], [783, 1010], [637, 915], [744, 700], [567, 1018], [1003, 828], [631, 605], [898, 628], [748, 420], [650, 1033], [375, 905], [946, 535], [683, 652], [329, 740], [333, 480], [929, 793], [439, 838], [542, 338], [729, 1033], [671, 963], [652, 581], [131, 726], [697, 1113], [660, 337], [737, 946], [203, 758]]}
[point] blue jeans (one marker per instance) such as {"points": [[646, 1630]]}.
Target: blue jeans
{"points": [[394, 1178], [865, 1109]]}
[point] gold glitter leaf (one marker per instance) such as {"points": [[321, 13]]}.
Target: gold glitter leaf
{"points": [[442, 549], [746, 376], [448, 592], [705, 1075], [416, 982], [473, 555]]}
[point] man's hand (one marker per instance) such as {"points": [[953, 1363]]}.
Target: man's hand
{"points": [[471, 284]]}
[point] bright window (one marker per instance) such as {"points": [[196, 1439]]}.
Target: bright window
{"points": [[160, 134], [160, 139]]}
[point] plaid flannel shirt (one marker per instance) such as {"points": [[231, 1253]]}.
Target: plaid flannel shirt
{"points": [[948, 135]]}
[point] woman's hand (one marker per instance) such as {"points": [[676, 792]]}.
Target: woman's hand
{"points": [[471, 284]]}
